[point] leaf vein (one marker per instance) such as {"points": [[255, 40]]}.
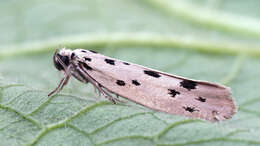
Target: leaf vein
{"points": [[117, 120]]}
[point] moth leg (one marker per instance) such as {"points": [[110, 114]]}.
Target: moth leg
{"points": [[96, 85], [78, 77], [95, 90], [101, 91], [65, 82], [62, 83], [115, 98], [108, 95], [57, 88]]}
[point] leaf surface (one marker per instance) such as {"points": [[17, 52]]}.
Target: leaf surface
{"points": [[177, 37]]}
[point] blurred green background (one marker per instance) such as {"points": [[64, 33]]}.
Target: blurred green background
{"points": [[213, 40]]}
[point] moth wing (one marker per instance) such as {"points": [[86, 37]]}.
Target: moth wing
{"points": [[161, 91]]}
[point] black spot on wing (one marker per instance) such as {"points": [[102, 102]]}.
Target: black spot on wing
{"points": [[201, 99], [190, 109], [110, 61], [120, 83], [86, 66], [135, 82], [84, 51], [125, 63], [80, 73], [93, 51], [188, 84], [152, 73], [87, 59], [72, 55], [173, 92]]}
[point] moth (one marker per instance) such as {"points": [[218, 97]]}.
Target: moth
{"points": [[148, 87]]}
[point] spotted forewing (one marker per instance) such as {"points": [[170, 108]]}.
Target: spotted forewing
{"points": [[151, 88]]}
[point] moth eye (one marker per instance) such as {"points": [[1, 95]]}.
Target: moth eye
{"points": [[65, 60], [58, 65]]}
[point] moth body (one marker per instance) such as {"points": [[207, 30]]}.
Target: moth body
{"points": [[151, 88]]}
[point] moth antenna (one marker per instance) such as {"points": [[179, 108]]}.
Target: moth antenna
{"points": [[95, 90], [57, 88], [60, 47], [65, 82]]}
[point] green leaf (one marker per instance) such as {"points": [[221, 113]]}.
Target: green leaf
{"points": [[211, 40]]}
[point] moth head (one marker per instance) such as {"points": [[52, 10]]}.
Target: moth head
{"points": [[61, 58]]}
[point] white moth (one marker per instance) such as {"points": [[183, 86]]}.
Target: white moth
{"points": [[151, 88]]}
